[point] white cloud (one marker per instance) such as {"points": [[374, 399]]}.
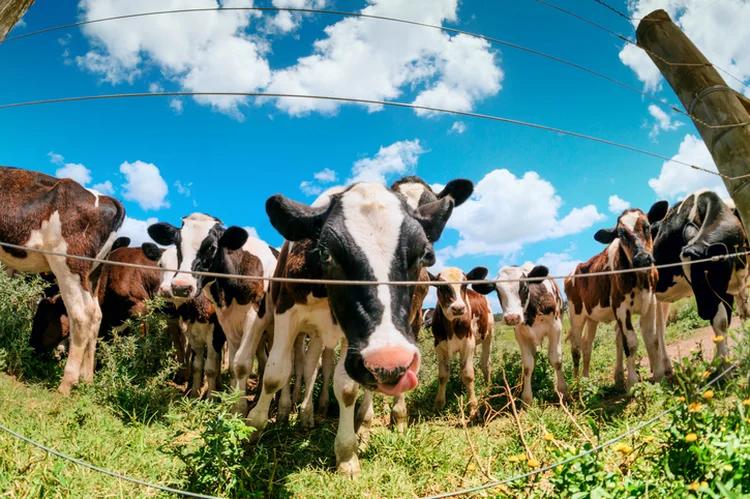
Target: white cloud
{"points": [[458, 127], [326, 176], [708, 24], [559, 264], [251, 231], [205, 52], [76, 171], [105, 188], [677, 180], [155, 88], [397, 158], [663, 121], [136, 230], [310, 188], [20, 24], [144, 185], [380, 61], [285, 21], [507, 212], [56, 159], [617, 205], [183, 189], [176, 106]]}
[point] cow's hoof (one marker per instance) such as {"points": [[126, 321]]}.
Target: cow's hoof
{"points": [[439, 404], [255, 437], [349, 468], [307, 419]]}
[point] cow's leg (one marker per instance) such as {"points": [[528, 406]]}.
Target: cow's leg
{"points": [[467, 373], [328, 365], [231, 355], [365, 413], [285, 402], [651, 340], [444, 373], [278, 371], [243, 361], [264, 346], [311, 365], [577, 323], [720, 325], [212, 365], [662, 313], [554, 338], [589, 334], [486, 353], [299, 368], [198, 363], [84, 316], [346, 389], [743, 303], [527, 361], [399, 414], [629, 344]]}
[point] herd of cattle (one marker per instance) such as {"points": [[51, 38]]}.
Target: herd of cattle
{"points": [[363, 232]]}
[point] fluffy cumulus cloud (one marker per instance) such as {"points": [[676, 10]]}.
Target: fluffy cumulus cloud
{"points": [[285, 21], [617, 205], [144, 185], [136, 230], [315, 187], [507, 212], [706, 23], [676, 180], [559, 264], [75, 171], [380, 60], [208, 52], [105, 188], [458, 127], [395, 159], [251, 231], [662, 121], [326, 176]]}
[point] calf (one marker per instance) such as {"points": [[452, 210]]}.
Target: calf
{"points": [[42, 212], [617, 297], [365, 232], [534, 309], [242, 308], [463, 319], [701, 226]]}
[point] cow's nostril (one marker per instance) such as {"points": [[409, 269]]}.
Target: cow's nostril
{"points": [[388, 376]]}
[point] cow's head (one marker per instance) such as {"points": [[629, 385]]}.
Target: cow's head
{"points": [[451, 298], [418, 193], [50, 326], [514, 295], [369, 233], [167, 259], [633, 230], [198, 243]]}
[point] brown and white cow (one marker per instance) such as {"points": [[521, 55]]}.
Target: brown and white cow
{"points": [[618, 297], [463, 319], [48, 213], [534, 309], [364, 232]]}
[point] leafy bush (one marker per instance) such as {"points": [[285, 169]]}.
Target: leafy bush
{"points": [[134, 370]]}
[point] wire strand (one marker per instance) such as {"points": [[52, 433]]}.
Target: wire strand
{"points": [[344, 282]]}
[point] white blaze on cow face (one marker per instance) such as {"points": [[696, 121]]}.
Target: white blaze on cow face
{"points": [[373, 216], [452, 297], [195, 229], [168, 260], [413, 193], [509, 293]]}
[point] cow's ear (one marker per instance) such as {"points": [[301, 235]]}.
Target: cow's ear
{"points": [[163, 233], [477, 273], [152, 251], [293, 220], [483, 289], [658, 211], [605, 236], [233, 238], [459, 189], [433, 278], [538, 272], [121, 242], [434, 216]]}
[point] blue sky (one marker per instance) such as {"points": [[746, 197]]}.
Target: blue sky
{"points": [[540, 196]]}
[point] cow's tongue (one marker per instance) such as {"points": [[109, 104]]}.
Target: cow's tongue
{"points": [[407, 382]]}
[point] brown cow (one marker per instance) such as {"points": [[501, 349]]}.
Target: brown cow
{"points": [[463, 318], [617, 297], [60, 215]]}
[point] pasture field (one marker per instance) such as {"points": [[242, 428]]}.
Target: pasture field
{"points": [[133, 421]]}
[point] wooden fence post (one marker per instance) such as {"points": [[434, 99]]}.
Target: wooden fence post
{"points": [[707, 98], [11, 11]]}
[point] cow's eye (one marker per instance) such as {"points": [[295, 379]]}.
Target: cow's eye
{"points": [[325, 256]]}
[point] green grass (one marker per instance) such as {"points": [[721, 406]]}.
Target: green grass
{"points": [[142, 437]]}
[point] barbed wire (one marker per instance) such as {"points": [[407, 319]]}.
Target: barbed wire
{"points": [[438, 496], [268, 95], [345, 282]]}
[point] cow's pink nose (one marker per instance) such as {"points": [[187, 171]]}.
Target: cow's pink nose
{"points": [[512, 319]]}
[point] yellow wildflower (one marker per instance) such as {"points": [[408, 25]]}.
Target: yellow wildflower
{"points": [[513, 459], [704, 485], [694, 486], [549, 437], [706, 374], [559, 468], [747, 420], [533, 463], [695, 407], [728, 467], [623, 448], [708, 394], [549, 449], [680, 399], [691, 437], [746, 402], [471, 467], [649, 439], [718, 339]]}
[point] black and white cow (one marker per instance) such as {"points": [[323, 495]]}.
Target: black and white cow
{"points": [[48, 213], [700, 226], [366, 232], [203, 244]]}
